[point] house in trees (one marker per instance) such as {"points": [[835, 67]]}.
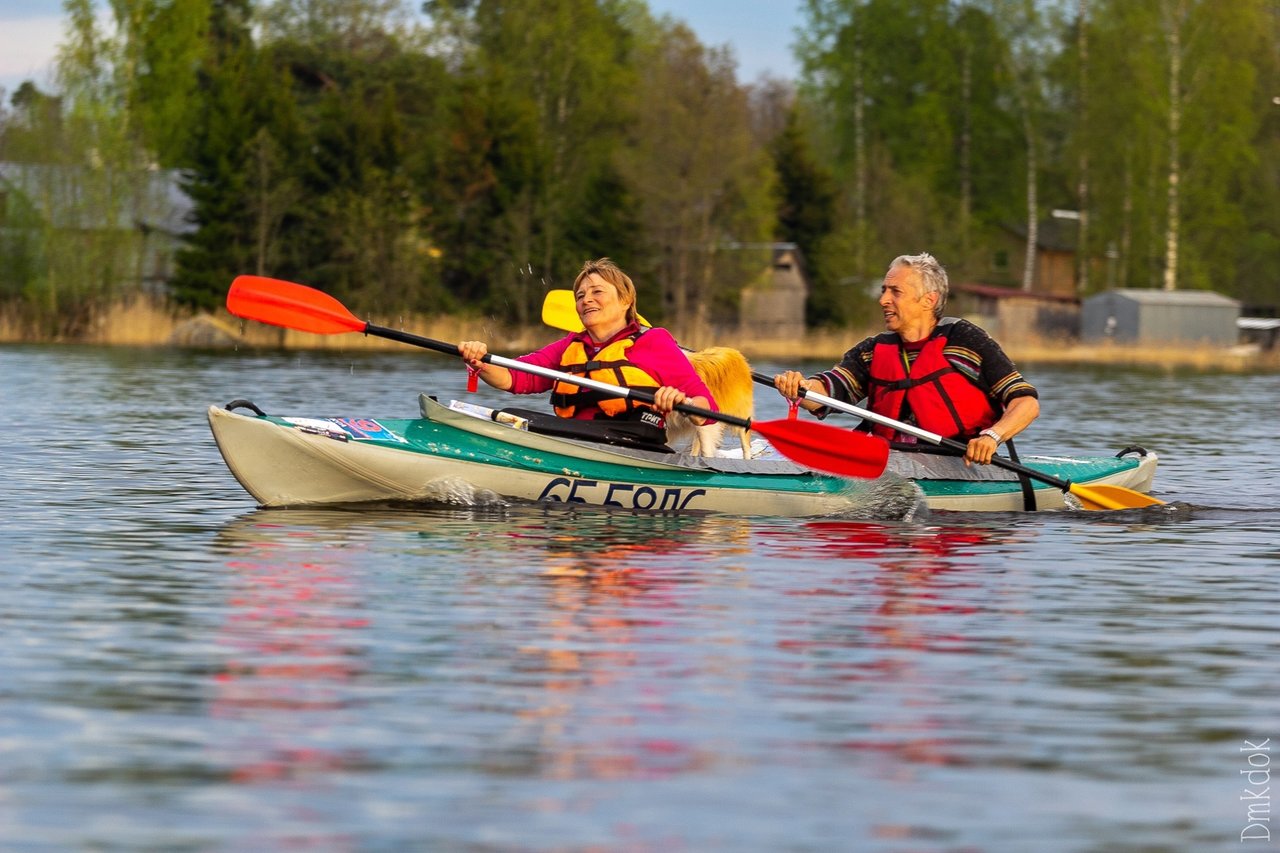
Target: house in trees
{"points": [[772, 306], [1011, 314], [994, 296], [1055, 261], [92, 226]]}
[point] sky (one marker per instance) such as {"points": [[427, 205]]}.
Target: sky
{"points": [[760, 32]]}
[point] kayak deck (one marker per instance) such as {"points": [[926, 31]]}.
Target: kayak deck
{"points": [[306, 461], [456, 457]]}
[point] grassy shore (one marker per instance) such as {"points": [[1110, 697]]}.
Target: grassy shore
{"points": [[145, 323]]}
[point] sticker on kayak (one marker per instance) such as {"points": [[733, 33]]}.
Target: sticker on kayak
{"points": [[361, 428], [367, 428]]}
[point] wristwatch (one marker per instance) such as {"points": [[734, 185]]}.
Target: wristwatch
{"points": [[993, 435]]}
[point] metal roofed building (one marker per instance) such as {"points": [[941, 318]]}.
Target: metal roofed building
{"points": [[59, 214], [1134, 316]]}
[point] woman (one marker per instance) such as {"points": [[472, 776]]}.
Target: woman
{"points": [[613, 348]]}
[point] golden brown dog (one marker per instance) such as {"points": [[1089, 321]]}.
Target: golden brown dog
{"points": [[728, 376]]}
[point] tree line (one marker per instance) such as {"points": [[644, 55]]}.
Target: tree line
{"points": [[467, 155]]}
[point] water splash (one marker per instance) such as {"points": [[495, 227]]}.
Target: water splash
{"points": [[886, 498], [455, 491]]}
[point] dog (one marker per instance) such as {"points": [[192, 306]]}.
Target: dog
{"points": [[727, 374]]}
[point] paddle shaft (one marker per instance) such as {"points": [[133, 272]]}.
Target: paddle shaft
{"points": [[922, 434], [559, 310], [547, 373], [296, 306]]}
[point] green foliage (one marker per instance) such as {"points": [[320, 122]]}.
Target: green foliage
{"points": [[473, 156], [81, 180], [544, 103], [704, 185], [806, 196], [1228, 206], [242, 96], [937, 116], [163, 49]]}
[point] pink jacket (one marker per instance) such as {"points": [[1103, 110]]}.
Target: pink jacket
{"points": [[655, 351]]}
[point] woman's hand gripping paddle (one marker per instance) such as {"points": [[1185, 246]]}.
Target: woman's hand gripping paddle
{"points": [[296, 306]]}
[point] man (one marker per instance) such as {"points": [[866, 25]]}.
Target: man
{"points": [[944, 375]]}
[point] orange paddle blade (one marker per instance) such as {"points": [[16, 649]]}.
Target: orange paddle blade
{"points": [[293, 306], [822, 447]]}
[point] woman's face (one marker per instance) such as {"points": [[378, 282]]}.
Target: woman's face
{"points": [[601, 308]]}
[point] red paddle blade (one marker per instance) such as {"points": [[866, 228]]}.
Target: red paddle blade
{"points": [[826, 448], [293, 306]]}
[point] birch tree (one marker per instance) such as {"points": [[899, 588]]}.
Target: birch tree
{"points": [[1177, 127], [1173, 14], [703, 183], [1025, 37]]}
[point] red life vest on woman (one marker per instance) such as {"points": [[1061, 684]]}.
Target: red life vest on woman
{"points": [[943, 399]]}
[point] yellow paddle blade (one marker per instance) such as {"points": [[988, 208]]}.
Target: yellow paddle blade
{"points": [[560, 312], [1112, 497]]}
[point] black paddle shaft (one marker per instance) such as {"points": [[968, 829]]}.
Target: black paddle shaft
{"points": [[950, 444], [635, 393]]}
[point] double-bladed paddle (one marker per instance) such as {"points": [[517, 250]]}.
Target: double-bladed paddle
{"points": [[296, 306], [559, 311], [1098, 496]]}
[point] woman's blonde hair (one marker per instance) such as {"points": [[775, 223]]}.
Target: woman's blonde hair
{"points": [[609, 271]]}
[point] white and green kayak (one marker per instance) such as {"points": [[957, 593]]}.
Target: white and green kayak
{"points": [[461, 454]]}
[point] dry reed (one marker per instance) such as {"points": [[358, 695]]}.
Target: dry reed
{"points": [[142, 322]]}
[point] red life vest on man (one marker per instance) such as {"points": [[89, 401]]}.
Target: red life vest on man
{"points": [[942, 399]]}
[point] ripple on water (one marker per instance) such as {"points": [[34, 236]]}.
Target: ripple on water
{"points": [[187, 671]]}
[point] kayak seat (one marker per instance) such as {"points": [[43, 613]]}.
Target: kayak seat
{"points": [[631, 434]]}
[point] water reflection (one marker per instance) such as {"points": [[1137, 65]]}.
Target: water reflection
{"points": [[580, 681], [291, 642], [874, 650], [614, 602], [189, 674]]}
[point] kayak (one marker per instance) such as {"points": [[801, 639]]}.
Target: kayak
{"points": [[466, 454]]}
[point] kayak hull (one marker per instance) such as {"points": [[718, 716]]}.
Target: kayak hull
{"points": [[453, 457]]}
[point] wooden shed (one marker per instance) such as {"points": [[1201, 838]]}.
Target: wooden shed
{"points": [[772, 307], [1160, 316], [1013, 315], [1055, 261]]}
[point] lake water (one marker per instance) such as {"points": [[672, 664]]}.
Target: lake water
{"points": [[184, 671]]}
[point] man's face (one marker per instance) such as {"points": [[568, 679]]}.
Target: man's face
{"points": [[903, 306]]}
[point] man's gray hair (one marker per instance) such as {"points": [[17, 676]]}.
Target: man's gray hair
{"points": [[933, 278]]}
